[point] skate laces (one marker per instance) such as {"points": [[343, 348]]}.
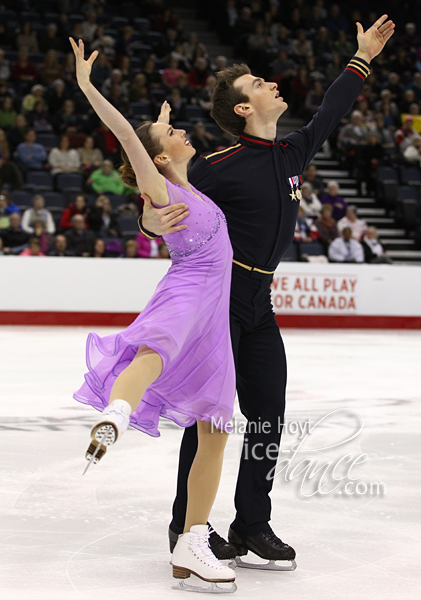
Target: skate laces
{"points": [[117, 412], [200, 546]]}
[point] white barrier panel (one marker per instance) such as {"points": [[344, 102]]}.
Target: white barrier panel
{"points": [[113, 286], [349, 289]]}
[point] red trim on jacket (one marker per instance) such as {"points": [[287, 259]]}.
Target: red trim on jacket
{"points": [[243, 137], [224, 157], [356, 72]]}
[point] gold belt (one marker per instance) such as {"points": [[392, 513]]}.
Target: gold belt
{"points": [[252, 268]]}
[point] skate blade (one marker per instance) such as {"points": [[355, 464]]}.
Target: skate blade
{"points": [[272, 565], [105, 433], [213, 588], [95, 452]]}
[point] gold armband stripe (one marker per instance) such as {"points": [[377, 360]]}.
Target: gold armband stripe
{"points": [[143, 232]]}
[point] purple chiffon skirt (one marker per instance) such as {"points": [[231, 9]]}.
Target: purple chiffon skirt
{"points": [[187, 323]]}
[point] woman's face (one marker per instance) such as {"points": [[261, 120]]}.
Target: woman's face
{"points": [[131, 251], [80, 202], [89, 143], [99, 247], [106, 204], [64, 143], [174, 142], [20, 121]]}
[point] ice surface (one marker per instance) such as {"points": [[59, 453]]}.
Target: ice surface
{"points": [[68, 537]]}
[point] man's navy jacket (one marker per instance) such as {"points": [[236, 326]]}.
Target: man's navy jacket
{"points": [[253, 180]]}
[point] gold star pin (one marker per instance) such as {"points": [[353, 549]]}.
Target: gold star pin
{"points": [[293, 197]]}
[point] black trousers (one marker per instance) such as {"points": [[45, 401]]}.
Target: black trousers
{"points": [[260, 364]]}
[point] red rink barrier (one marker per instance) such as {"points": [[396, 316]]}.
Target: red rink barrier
{"points": [[94, 319]]}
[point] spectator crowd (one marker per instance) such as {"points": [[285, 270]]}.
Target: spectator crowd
{"points": [[55, 155]]}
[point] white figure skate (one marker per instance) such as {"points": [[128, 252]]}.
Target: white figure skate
{"points": [[193, 556], [111, 425]]}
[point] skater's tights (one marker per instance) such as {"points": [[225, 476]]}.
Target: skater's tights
{"points": [[205, 474], [133, 382]]}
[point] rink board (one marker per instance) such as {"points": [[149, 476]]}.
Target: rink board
{"points": [[112, 292]]}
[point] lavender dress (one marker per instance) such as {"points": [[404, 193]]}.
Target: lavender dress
{"points": [[186, 322]]}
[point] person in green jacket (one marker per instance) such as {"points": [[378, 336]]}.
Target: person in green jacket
{"points": [[7, 113], [107, 179]]}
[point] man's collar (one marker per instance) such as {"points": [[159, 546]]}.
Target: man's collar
{"points": [[256, 142]]}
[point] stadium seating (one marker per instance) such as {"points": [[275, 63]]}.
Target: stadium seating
{"points": [[39, 181], [128, 226], [69, 182]]}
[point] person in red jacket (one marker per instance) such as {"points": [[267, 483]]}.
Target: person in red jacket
{"points": [[198, 76], [78, 207], [23, 69]]}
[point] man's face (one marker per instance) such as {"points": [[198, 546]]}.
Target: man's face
{"points": [[61, 243], [347, 233], [332, 189], [78, 223], [264, 98], [38, 202], [30, 137], [107, 167], [14, 221]]}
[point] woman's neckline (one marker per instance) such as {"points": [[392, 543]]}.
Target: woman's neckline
{"points": [[192, 192]]}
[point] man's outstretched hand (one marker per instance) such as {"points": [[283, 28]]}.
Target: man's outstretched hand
{"points": [[162, 221], [372, 41]]}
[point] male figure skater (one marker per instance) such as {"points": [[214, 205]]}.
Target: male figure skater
{"points": [[256, 183]]}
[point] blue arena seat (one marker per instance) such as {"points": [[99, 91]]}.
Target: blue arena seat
{"points": [[40, 181], [184, 125], [141, 109], [48, 140], [54, 201], [142, 25], [387, 185], [194, 113], [69, 182], [116, 201], [128, 226], [22, 199], [291, 254], [214, 129], [311, 249], [37, 57], [411, 176], [119, 22], [406, 192]]}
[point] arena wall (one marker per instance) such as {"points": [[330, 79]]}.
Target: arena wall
{"points": [[75, 291]]}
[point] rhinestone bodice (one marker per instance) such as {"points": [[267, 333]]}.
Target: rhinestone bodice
{"points": [[203, 222]]}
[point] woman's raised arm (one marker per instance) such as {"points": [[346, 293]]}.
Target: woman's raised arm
{"points": [[149, 180]]}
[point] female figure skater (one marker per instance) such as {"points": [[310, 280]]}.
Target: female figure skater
{"points": [[175, 360]]}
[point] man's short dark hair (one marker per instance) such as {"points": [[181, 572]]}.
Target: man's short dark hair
{"points": [[225, 97]]}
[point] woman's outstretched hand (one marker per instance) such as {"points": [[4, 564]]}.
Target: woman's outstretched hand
{"points": [[164, 115], [83, 67]]}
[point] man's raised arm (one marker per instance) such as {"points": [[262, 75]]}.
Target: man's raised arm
{"points": [[341, 95]]}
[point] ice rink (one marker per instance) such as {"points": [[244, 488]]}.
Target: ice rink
{"points": [[104, 535]]}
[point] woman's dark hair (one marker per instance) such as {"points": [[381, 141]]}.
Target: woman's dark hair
{"points": [[64, 137], [152, 146], [225, 97]]}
